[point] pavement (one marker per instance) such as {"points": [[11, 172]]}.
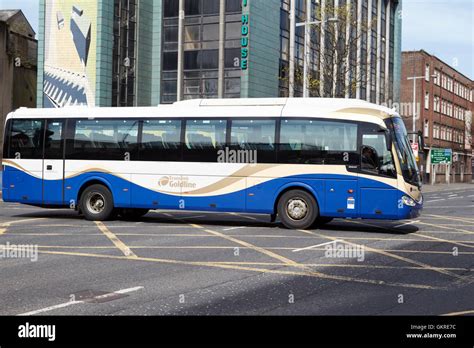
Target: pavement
{"points": [[191, 263]]}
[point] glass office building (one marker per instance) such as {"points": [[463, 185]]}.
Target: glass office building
{"points": [[140, 53]]}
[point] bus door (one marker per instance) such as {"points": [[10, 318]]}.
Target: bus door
{"points": [[23, 163], [378, 178], [53, 162]]}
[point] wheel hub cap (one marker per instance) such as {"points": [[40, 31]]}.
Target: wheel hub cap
{"points": [[96, 203], [297, 209]]}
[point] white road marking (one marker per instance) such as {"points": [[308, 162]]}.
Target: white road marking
{"points": [[233, 228], [470, 196], [319, 245], [436, 200], [407, 223], [72, 303]]}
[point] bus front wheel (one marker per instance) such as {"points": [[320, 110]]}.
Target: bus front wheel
{"points": [[297, 209], [97, 203]]}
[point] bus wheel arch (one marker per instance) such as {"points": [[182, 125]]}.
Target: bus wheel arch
{"points": [[95, 200], [304, 202]]}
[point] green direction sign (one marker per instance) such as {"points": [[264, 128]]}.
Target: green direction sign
{"points": [[441, 156]]}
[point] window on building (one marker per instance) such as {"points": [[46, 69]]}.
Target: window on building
{"points": [[255, 135], [427, 72], [426, 128], [232, 6], [427, 101], [436, 131], [210, 7], [192, 7], [436, 105]]}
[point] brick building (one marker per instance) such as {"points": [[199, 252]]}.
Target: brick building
{"points": [[443, 113], [18, 56]]}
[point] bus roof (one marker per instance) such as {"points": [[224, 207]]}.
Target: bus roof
{"points": [[346, 109]]}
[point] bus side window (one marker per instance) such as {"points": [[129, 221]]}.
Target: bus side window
{"points": [[53, 145], [103, 139], [257, 136], [313, 141], [161, 140], [26, 139], [375, 158], [204, 139], [6, 139]]}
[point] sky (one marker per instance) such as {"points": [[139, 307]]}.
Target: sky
{"points": [[441, 27], [444, 28]]}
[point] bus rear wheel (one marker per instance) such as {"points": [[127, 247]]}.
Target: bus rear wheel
{"points": [[297, 209], [133, 214], [96, 203]]}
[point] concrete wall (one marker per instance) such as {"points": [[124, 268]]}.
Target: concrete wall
{"points": [[261, 77]]}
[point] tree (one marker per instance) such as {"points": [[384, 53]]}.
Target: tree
{"points": [[338, 68]]}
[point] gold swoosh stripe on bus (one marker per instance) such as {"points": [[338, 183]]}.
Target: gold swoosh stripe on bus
{"points": [[11, 163]]}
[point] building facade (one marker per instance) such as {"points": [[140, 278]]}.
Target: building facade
{"points": [[443, 113], [18, 57], [138, 53]]}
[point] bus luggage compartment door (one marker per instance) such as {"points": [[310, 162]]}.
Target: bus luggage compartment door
{"points": [[341, 198]]}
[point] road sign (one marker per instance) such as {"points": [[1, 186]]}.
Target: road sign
{"points": [[441, 156]]}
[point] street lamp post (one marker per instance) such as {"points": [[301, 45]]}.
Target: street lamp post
{"points": [[307, 45]]}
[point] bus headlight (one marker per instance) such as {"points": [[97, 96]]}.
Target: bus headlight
{"points": [[408, 201]]}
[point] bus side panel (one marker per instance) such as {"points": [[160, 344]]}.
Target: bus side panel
{"points": [[145, 193], [378, 200], [214, 192], [112, 174], [263, 192], [5, 183], [23, 180], [341, 198]]}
